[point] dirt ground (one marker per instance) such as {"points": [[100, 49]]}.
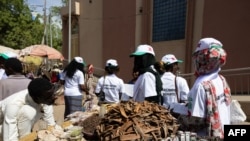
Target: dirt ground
{"points": [[58, 115]]}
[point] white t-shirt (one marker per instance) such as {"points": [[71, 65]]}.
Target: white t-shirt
{"points": [[169, 90], [11, 110], [3, 74], [71, 85], [113, 86], [145, 86], [197, 99]]}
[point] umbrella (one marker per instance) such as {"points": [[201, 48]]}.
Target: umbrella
{"points": [[4, 49], [42, 51]]}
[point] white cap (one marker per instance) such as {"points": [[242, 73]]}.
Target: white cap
{"points": [[208, 43], [79, 60], [143, 49], [111, 62], [169, 59]]}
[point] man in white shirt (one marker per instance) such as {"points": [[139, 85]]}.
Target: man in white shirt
{"points": [[20, 111]]}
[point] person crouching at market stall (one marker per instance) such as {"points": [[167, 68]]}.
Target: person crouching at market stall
{"points": [[21, 110], [148, 85], [210, 97], [73, 80], [111, 85], [175, 88]]}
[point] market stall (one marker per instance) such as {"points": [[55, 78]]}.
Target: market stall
{"points": [[126, 121]]}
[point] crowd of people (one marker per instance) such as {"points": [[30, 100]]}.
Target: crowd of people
{"points": [[25, 98], [208, 100]]}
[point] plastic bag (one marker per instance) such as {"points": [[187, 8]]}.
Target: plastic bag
{"points": [[237, 114]]}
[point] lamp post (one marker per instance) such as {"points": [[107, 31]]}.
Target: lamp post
{"points": [[50, 27], [69, 45]]}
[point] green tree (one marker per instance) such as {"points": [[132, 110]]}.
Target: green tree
{"points": [[54, 29], [17, 28]]}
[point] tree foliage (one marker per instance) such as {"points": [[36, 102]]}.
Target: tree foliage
{"points": [[18, 29]]}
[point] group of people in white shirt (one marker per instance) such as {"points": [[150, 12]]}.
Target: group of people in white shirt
{"points": [[209, 98], [159, 84]]}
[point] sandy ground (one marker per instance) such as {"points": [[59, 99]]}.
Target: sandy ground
{"points": [[58, 115]]}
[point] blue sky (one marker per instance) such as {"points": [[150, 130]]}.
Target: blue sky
{"points": [[38, 5]]}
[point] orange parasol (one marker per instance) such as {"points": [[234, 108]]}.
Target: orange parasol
{"points": [[42, 51]]}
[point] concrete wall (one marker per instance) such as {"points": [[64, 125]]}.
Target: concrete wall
{"points": [[245, 107], [113, 29], [119, 34]]}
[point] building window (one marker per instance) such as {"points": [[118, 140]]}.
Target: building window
{"points": [[169, 20]]}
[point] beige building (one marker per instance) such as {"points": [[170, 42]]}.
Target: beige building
{"points": [[104, 29]]}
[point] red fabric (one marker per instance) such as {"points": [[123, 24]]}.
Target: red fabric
{"points": [[54, 77], [213, 115]]}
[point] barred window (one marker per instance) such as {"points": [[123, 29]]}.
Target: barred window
{"points": [[169, 20]]}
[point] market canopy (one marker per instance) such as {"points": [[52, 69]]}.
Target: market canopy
{"points": [[4, 49], [42, 51]]}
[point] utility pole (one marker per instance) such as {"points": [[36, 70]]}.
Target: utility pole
{"points": [[69, 45], [50, 28], [45, 26]]}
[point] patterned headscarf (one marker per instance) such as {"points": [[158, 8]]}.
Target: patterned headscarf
{"points": [[209, 56]]}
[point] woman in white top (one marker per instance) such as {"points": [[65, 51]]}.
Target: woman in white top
{"points": [[175, 88], [110, 84], [148, 84], [72, 78], [210, 97]]}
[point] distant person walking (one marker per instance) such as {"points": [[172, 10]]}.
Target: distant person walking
{"points": [[73, 80], [112, 86]]}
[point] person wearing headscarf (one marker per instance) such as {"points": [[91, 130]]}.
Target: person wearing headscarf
{"points": [[112, 86], [73, 80], [148, 84], [210, 97], [175, 88], [90, 78]]}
